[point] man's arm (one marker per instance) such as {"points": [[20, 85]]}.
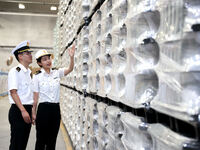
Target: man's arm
{"points": [[17, 101], [35, 98]]}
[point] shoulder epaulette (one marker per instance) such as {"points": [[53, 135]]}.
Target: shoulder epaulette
{"points": [[54, 68], [18, 69], [31, 74], [37, 72]]}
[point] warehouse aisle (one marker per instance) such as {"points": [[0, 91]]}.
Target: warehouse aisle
{"points": [[5, 131]]}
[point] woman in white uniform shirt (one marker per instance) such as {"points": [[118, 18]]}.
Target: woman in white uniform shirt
{"points": [[46, 92]]}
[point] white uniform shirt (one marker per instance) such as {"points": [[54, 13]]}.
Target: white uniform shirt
{"points": [[19, 78], [48, 85]]}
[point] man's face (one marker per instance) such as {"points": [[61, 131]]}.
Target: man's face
{"points": [[26, 57]]}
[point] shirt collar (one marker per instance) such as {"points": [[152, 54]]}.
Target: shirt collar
{"points": [[23, 68], [43, 71]]}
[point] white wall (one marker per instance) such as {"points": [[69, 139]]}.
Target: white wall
{"points": [[16, 28], [5, 53]]}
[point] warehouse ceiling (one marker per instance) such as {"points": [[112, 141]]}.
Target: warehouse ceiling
{"points": [[29, 6]]}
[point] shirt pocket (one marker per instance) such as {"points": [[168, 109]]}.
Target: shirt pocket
{"points": [[55, 84], [23, 88], [43, 86]]}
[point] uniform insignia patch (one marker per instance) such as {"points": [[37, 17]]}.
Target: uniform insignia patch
{"points": [[38, 72], [18, 69], [31, 74], [54, 68]]}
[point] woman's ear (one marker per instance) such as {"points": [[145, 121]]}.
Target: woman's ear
{"points": [[39, 63]]}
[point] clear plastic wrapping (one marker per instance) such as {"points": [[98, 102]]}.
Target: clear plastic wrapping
{"points": [[119, 11], [72, 79], [114, 143], [93, 5], [178, 92], [135, 52], [93, 118], [145, 88], [102, 119], [94, 144], [107, 7], [180, 55], [117, 87], [114, 128], [165, 139], [107, 23], [72, 111], [96, 19], [103, 138], [142, 26], [178, 64], [192, 15], [102, 123], [177, 17], [147, 53], [135, 135], [94, 54], [84, 57]]}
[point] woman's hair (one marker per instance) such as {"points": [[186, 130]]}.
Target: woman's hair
{"points": [[39, 61]]}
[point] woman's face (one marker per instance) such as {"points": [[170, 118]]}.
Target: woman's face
{"points": [[46, 62]]}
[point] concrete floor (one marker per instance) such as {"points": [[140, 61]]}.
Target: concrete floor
{"points": [[5, 130]]}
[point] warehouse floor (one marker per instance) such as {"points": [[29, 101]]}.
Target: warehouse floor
{"points": [[5, 129]]}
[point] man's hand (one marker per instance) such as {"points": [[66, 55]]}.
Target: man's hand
{"points": [[26, 116], [17, 101], [33, 117]]}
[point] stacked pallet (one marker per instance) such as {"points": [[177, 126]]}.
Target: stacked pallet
{"points": [[140, 60]]}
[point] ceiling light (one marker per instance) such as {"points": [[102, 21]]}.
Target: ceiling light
{"points": [[21, 6], [53, 8]]}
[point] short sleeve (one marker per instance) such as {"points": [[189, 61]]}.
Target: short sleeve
{"points": [[35, 84], [12, 80], [61, 72]]}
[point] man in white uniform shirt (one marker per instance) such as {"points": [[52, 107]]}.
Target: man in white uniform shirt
{"points": [[20, 97]]}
